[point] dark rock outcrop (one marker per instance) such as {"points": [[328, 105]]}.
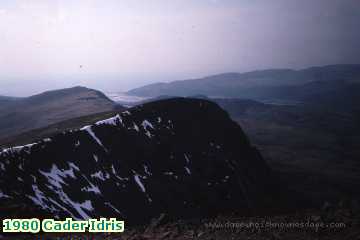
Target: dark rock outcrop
{"points": [[182, 157]]}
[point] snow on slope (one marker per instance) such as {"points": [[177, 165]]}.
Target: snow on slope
{"points": [[134, 165], [56, 177]]}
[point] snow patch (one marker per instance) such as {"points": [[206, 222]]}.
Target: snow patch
{"points": [[147, 124], [92, 188], [20, 167], [99, 175], [121, 178], [39, 198], [113, 208], [73, 166], [55, 176], [139, 183], [187, 158], [80, 208], [111, 121], [92, 134], [2, 166], [113, 169], [3, 195], [18, 149], [136, 127], [147, 170]]}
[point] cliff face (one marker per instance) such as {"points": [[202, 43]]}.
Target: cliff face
{"points": [[182, 157]]}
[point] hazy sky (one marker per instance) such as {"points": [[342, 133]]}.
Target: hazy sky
{"points": [[114, 45]]}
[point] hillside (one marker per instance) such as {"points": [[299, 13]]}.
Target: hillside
{"points": [[6, 99], [313, 146], [25, 114], [274, 84], [149, 160]]}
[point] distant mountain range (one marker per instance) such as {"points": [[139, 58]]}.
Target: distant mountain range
{"points": [[276, 84], [23, 114], [181, 157]]}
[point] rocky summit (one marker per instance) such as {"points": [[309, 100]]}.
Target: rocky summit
{"points": [[182, 157]]}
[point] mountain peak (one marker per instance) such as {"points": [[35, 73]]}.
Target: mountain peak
{"points": [[177, 156]]}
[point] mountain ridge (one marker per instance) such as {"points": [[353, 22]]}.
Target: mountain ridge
{"points": [[145, 161], [258, 84]]}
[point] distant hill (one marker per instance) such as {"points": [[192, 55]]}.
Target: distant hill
{"points": [[56, 128], [25, 114], [260, 85], [5, 100]]}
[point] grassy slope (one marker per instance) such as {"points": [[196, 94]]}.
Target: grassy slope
{"points": [[41, 133], [50, 107]]}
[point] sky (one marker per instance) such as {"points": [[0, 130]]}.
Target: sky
{"points": [[116, 45]]}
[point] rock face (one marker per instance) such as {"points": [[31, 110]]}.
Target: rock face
{"points": [[182, 157]]}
